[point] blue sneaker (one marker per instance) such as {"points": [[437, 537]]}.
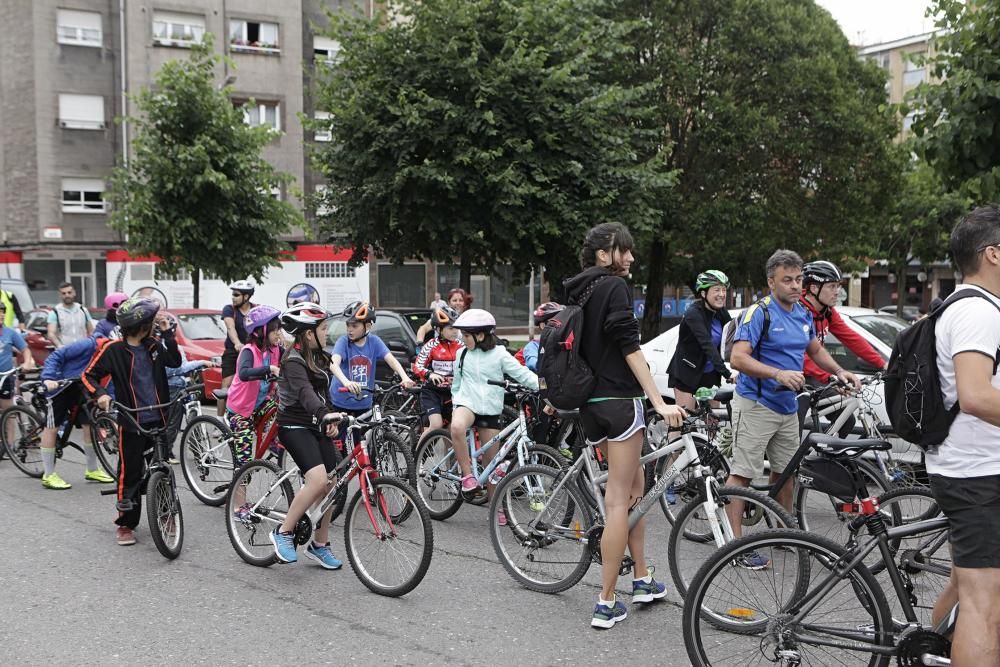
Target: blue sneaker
{"points": [[284, 546], [323, 556], [751, 560], [671, 495], [643, 591], [605, 617]]}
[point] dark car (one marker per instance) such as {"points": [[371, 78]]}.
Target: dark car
{"points": [[396, 330], [910, 313]]}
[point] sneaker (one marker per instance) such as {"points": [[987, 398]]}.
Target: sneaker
{"points": [[536, 505], [751, 560], [501, 518], [98, 476], [472, 492], [469, 484], [284, 546], [54, 481], [566, 453], [323, 555], [173, 460], [124, 536], [605, 617], [643, 591], [244, 513], [671, 495]]}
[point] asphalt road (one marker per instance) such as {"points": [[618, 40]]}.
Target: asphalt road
{"points": [[69, 595]]}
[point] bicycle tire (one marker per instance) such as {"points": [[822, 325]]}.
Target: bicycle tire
{"points": [[163, 511], [543, 455], [250, 538], [393, 456], [207, 459], [750, 621], [404, 428], [894, 514], [25, 452], [685, 487], [813, 514], [396, 534], [105, 435], [441, 497], [683, 534], [520, 494]]}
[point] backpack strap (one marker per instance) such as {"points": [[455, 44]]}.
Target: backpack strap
{"points": [[461, 359], [958, 296], [765, 328]]}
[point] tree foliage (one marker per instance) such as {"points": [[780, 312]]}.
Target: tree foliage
{"points": [[197, 192], [959, 115], [485, 131], [780, 134]]}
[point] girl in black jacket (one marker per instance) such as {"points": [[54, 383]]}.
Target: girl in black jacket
{"points": [[306, 421], [697, 361]]}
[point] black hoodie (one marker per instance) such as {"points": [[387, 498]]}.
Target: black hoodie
{"points": [[610, 332]]}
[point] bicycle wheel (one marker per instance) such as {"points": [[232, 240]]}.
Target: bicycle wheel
{"points": [[405, 427], [543, 546], [687, 486], [734, 616], [163, 510], [265, 503], [21, 432], [105, 436], [438, 475], [542, 455], [821, 514], [393, 456], [389, 556], [691, 540], [207, 459]]}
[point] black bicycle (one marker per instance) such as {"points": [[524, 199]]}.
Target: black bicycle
{"points": [[163, 505]]}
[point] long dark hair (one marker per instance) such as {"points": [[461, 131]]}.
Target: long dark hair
{"points": [[317, 360], [608, 236]]}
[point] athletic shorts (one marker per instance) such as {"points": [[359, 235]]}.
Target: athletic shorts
{"points": [[760, 431], [308, 448], [229, 357], [711, 379], [436, 401], [494, 422], [7, 388], [972, 505], [62, 403], [614, 419]]}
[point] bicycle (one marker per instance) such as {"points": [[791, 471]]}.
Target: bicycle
{"points": [[776, 615], [438, 477], [163, 505], [556, 517], [21, 427], [385, 509]]}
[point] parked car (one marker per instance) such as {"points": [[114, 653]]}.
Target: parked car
{"points": [[20, 290], [395, 329], [910, 313]]}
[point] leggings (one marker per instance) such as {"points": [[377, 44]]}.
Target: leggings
{"points": [[243, 432]]}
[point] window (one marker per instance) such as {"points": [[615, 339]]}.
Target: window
{"points": [[177, 29], [913, 72], [253, 37], [325, 49], [323, 134], [880, 59], [79, 28], [83, 195], [81, 112], [329, 270], [262, 113]]}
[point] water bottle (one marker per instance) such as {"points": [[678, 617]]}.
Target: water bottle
{"points": [[499, 472], [724, 440]]}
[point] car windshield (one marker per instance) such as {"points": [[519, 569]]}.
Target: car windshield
{"points": [[416, 320], [204, 326], [883, 327]]}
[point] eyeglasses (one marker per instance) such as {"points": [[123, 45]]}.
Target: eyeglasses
{"points": [[988, 245], [237, 294]]}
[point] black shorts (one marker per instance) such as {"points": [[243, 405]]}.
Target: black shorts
{"points": [[711, 379], [972, 505], [62, 403], [308, 448], [613, 420], [229, 357], [436, 401], [7, 387]]}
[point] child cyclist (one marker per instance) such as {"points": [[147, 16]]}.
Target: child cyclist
{"points": [[475, 401], [435, 365], [354, 359], [529, 353], [306, 420], [137, 365]]}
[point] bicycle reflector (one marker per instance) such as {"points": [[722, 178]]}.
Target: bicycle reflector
{"points": [[740, 613]]}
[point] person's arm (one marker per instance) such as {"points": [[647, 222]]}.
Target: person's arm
{"points": [[98, 369], [521, 374], [703, 334], [18, 313], [976, 394], [819, 354], [88, 321], [297, 377], [27, 361], [229, 318], [54, 364], [245, 368], [424, 329], [398, 369], [53, 328], [854, 341], [747, 336], [421, 365], [531, 355]]}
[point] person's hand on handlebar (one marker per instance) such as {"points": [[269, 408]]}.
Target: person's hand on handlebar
{"points": [[436, 380], [407, 382], [330, 422], [672, 414], [104, 402], [275, 371], [51, 385], [794, 380], [354, 387], [849, 379]]}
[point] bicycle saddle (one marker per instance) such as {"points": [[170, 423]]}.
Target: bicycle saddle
{"points": [[837, 447], [724, 394], [220, 393]]}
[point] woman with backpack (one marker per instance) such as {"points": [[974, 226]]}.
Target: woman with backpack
{"points": [[613, 416]]}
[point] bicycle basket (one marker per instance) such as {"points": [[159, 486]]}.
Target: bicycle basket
{"points": [[828, 476]]}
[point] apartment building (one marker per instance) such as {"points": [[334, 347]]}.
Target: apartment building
{"points": [[897, 58]]}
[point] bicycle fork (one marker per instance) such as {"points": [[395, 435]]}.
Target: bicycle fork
{"points": [[715, 512]]}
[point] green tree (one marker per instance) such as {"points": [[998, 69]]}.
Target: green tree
{"points": [[197, 193], [958, 115], [780, 135], [484, 131]]}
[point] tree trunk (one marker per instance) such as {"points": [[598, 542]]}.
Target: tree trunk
{"points": [[465, 271], [196, 284], [654, 292]]}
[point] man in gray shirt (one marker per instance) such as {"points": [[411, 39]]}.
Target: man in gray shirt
{"points": [[68, 321]]}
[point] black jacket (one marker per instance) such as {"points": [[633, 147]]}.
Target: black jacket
{"points": [[114, 358], [610, 331], [303, 395], [695, 346]]}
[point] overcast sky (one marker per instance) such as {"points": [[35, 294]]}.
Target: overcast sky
{"points": [[874, 21]]}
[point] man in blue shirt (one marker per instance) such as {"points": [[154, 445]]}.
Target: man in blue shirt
{"points": [[765, 412]]}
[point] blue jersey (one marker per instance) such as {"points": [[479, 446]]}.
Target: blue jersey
{"points": [[10, 340], [784, 347], [358, 365]]}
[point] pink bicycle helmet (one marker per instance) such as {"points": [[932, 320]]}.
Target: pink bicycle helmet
{"points": [[115, 299]]}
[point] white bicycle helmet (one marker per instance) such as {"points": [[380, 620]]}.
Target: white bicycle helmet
{"points": [[476, 320], [303, 317], [244, 287]]}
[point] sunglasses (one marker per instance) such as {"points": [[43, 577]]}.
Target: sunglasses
{"points": [[237, 294]]}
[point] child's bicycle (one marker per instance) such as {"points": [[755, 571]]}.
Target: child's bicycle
{"points": [[387, 530], [163, 506]]}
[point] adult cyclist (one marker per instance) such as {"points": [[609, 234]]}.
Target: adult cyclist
{"points": [[234, 316]]}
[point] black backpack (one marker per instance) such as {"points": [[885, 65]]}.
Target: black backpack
{"points": [[912, 385], [564, 378]]}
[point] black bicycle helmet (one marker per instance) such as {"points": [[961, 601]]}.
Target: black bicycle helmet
{"points": [[821, 272], [360, 311], [546, 311], [137, 311], [443, 316]]}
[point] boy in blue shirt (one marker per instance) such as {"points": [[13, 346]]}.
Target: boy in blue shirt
{"points": [[11, 341], [354, 359]]}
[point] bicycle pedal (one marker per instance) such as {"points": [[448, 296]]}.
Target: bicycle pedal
{"points": [[626, 566]]}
